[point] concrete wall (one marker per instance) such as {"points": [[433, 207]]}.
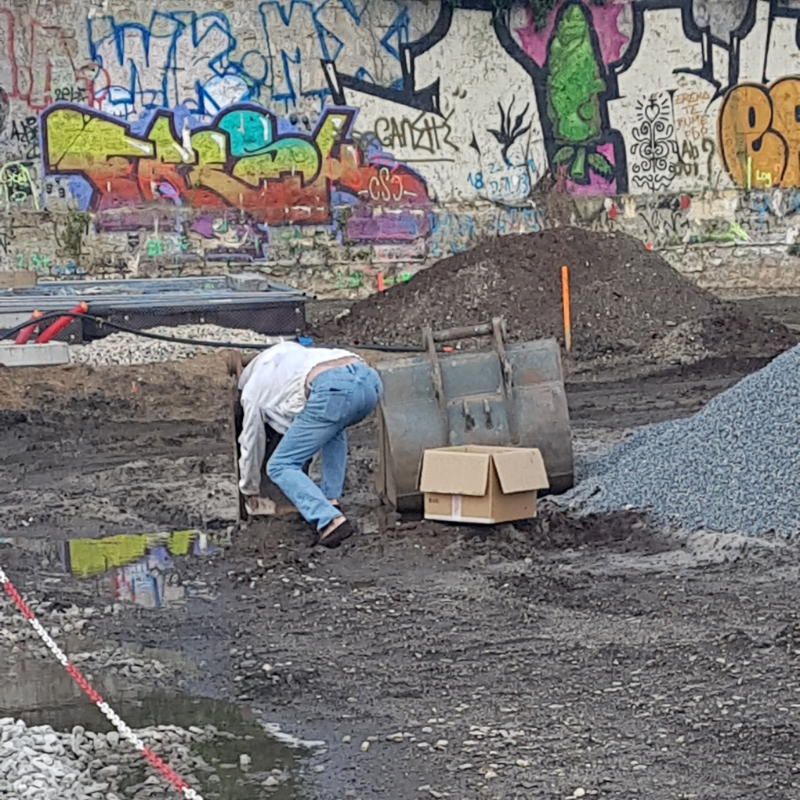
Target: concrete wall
{"points": [[330, 141]]}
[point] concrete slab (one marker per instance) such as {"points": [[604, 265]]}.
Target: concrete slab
{"points": [[18, 279], [51, 354]]}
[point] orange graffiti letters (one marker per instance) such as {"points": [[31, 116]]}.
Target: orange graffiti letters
{"points": [[759, 134]]}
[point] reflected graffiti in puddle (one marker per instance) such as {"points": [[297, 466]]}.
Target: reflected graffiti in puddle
{"points": [[224, 750], [136, 568]]}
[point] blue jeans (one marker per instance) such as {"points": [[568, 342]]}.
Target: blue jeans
{"points": [[337, 399]]}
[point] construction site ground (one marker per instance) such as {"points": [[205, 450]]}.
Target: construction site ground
{"points": [[560, 658]]}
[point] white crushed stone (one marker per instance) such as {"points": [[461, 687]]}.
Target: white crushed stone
{"points": [[128, 349], [39, 763], [734, 467]]}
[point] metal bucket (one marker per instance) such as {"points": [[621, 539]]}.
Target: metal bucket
{"points": [[509, 395]]}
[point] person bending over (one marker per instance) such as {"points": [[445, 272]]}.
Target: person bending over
{"points": [[310, 396]]}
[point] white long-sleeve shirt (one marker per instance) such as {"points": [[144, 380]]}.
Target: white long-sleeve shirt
{"points": [[273, 390]]}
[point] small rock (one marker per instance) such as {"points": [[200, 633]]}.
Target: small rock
{"points": [[364, 746]]}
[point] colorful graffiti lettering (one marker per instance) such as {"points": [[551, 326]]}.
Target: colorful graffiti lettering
{"points": [[239, 161], [759, 134]]}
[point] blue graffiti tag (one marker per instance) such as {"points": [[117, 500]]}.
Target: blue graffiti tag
{"points": [[140, 65]]}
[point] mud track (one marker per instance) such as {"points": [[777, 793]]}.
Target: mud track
{"points": [[526, 662]]}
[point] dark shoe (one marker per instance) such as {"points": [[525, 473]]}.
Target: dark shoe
{"points": [[337, 536]]}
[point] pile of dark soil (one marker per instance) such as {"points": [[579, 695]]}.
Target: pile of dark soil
{"points": [[624, 299]]}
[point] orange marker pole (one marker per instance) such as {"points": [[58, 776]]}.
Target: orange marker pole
{"points": [[381, 284], [565, 303]]}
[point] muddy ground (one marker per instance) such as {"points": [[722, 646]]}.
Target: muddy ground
{"points": [[552, 659]]}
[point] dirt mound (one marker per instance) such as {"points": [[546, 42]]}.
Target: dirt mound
{"points": [[624, 299]]}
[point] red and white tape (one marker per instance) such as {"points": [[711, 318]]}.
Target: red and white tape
{"points": [[169, 775]]}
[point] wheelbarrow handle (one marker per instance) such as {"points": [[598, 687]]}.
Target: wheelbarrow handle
{"points": [[467, 332]]}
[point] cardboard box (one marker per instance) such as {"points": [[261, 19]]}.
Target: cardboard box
{"points": [[481, 485]]}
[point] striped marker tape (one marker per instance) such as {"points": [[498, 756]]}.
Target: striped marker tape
{"points": [[166, 772]]}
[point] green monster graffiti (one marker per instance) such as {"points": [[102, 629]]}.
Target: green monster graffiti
{"points": [[574, 86]]}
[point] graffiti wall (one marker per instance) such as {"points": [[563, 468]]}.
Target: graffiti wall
{"points": [[330, 141]]}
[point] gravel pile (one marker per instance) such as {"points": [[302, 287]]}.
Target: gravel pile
{"points": [[128, 348], [42, 764], [732, 467]]}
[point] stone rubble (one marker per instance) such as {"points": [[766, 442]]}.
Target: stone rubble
{"points": [[39, 763], [129, 349]]}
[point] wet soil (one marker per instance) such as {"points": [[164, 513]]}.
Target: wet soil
{"points": [[527, 661]]}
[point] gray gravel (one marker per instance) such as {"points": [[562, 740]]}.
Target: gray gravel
{"points": [[42, 764], [732, 467]]}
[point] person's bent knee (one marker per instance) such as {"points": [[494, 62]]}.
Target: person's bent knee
{"points": [[275, 470]]}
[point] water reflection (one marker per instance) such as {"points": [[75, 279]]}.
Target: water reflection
{"points": [[137, 568], [242, 733]]}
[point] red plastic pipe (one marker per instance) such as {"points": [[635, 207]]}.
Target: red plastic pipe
{"points": [[60, 324], [27, 332]]}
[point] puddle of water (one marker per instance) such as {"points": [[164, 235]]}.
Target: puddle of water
{"points": [[141, 569], [136, 568], [222, 753], [41, 693]]}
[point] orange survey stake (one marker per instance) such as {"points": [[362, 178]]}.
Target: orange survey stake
{"points": [[565, 304]]}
